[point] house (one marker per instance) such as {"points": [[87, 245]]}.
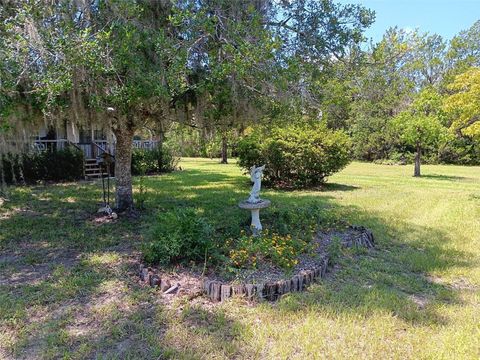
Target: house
{"points": [[93, 140]]}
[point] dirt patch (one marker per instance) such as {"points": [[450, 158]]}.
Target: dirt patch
{"points": [[420, 301], [101, 219]]}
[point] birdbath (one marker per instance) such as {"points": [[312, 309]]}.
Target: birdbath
{"points": [[254, 203], [255, 210]]}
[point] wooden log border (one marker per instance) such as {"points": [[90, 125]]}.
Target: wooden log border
{"points": [[271, 291]]}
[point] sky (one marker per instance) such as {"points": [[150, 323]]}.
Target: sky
{"points": [[444, 17]]}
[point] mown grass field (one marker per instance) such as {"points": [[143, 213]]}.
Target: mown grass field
{"points": [[68, 289]]}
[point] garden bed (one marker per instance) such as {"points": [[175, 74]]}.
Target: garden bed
{"points": [[267, 281]]}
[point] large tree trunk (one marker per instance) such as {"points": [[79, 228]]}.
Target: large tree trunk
{"points": [[123, 169], [417, 161], [224, 150]]}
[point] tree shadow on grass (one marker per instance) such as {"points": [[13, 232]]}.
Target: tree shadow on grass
{"points": [[48, 231], [57, 294], [56, 217], [202, 333], [443, 177], [338, 187], [96, 309]]}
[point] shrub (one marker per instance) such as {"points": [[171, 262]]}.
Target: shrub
{"points": [[179, 234], [68, 164], [158, 160], [296, 156], [60, 165], [461, 151], [298, 221]]}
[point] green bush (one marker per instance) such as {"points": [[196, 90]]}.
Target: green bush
{"points": [[179, 234], [461, 151], [158, 160], [68, 164], [60, 165], [296, 156], [298, 221]]}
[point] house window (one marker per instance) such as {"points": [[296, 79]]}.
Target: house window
{"points": [[99, 135]]}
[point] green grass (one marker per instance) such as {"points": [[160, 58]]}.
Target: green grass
{"points": [[67, 287]]}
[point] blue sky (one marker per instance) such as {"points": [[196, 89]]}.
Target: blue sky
{"points": [[444, 17]]}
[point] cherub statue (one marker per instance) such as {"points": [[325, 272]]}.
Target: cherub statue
{"points": [[256, 176]]}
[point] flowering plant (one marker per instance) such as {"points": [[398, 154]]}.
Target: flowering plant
{"points": [[281, 250]]}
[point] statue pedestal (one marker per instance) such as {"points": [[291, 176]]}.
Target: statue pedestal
{"points": [[255, 210]]}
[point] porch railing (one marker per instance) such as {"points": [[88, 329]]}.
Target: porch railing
{"points": [[90, 150], [49, 145], [145, 144]]}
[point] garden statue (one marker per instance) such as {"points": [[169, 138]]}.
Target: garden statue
{"points": [[254, 203], [256, 176]]}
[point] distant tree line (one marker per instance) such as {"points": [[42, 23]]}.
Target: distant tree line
{"points": [[409, 98], [412, 96]]}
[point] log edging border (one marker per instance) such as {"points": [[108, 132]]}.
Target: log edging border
{"points": [[271, 290]]}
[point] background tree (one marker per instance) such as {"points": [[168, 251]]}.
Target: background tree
{"points": [[230, 93], [464, 49], [420, 125], [428, 59], [381, 90], [463, 105]]}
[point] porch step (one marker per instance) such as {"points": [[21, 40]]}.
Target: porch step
{"points": [[92, 170], [90, 167], [96, 175]]}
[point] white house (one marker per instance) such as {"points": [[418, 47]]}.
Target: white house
{"points": [[93, 140]]}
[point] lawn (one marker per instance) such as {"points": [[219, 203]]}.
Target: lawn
{"points": [[68, 287]]}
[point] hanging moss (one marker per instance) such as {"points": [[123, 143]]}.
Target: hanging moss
{"points": [[3, 184]]}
